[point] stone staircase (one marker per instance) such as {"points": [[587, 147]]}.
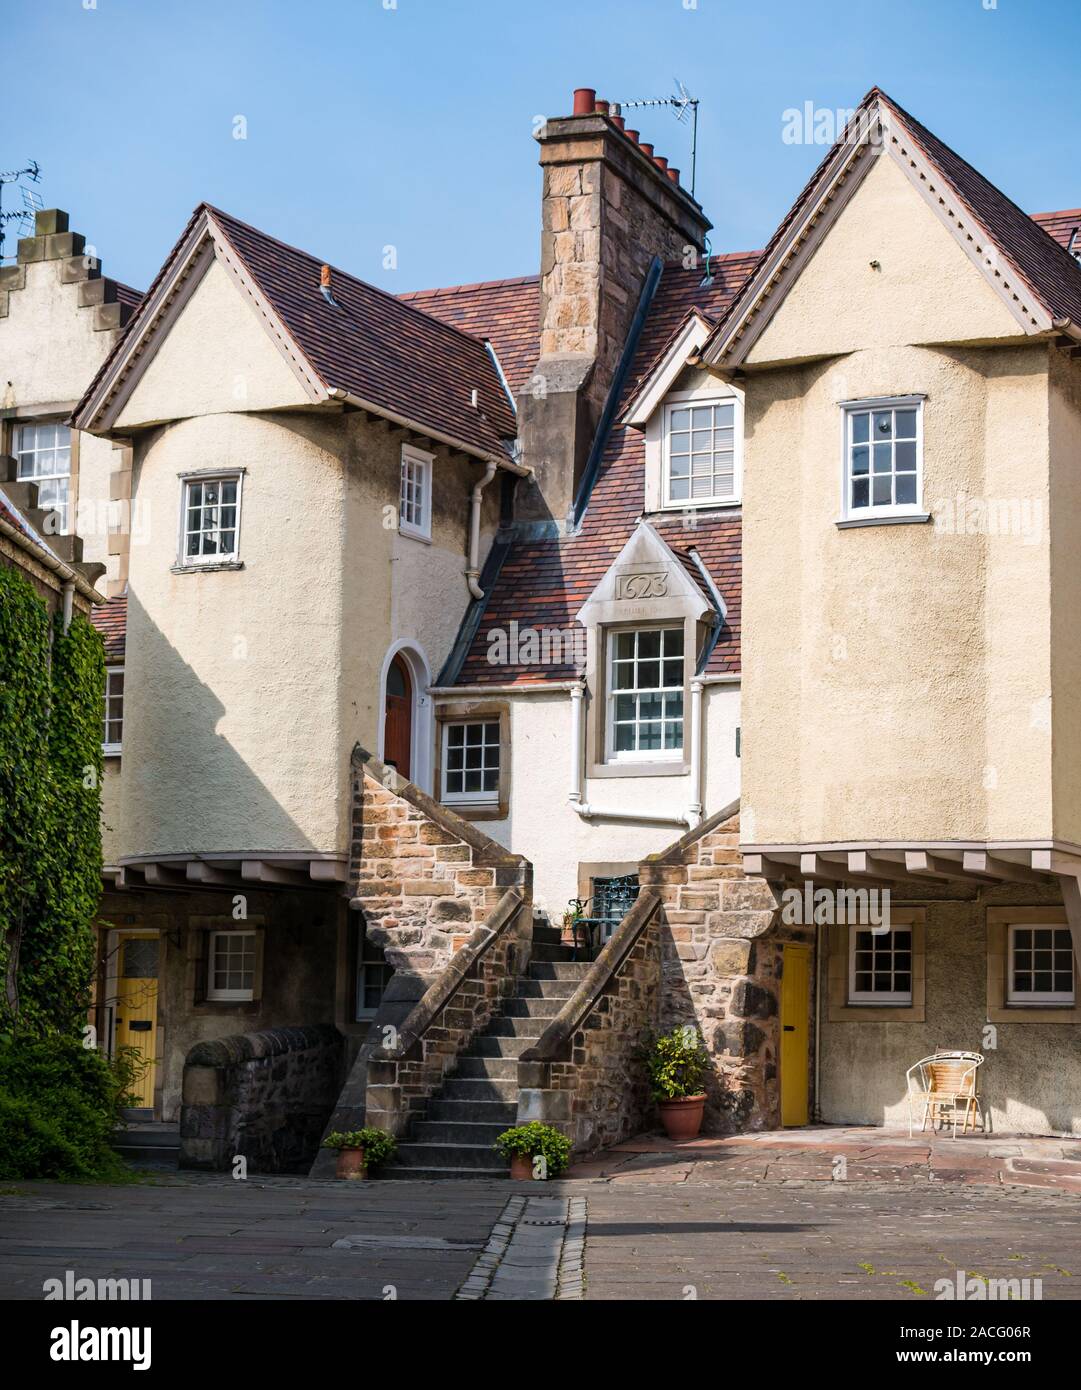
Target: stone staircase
{"points": [[479, 1100]]}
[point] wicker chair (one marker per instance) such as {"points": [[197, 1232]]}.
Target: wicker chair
{"points": [[942, 1085]]}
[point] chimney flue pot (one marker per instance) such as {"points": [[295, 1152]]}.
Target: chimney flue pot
{"points": [[673, 173], [584, 100], [631, 135], [646, 148], [600, 108]]}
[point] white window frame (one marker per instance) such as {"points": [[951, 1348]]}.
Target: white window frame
{"points": [[230, 995], [1038, 998], [486, 797], [187, 482], [691, 400], [364, 964], [21, 475], [874, 997], [414, 458], [112, 749], [850, 409], [641, 755]]}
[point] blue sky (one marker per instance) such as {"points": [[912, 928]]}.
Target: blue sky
{"points": [[409, 122]]}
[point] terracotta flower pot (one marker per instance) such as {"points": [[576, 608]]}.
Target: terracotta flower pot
{"points": [[682, 1118], [521, 1167], [351, 1164]]}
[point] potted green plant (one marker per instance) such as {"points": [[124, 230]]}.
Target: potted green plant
{"points": [[677, 1063], [535, 1151], [360, 1149]]}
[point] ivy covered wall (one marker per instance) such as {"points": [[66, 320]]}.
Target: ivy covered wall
{"points": [[51, 695]]}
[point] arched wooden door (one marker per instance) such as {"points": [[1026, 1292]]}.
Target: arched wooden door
{"points": [[398, 726]]}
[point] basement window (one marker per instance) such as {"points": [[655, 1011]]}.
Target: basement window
{"points": [[113, 732], [373, 976], [1041, 968], [883, 460], [880, 966], [231, 966], [415, 496]]}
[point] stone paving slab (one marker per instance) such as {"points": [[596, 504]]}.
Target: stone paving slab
{"points": [[263, 1239], [821, 1153]]}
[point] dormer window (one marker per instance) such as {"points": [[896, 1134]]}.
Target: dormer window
{"points": [[700, 453]]}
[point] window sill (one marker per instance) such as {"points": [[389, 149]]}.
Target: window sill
{"points": [[646, 769], [208, 567], [702, 504], [415, 535], [850, 523], [477, 810], [112, 751]]}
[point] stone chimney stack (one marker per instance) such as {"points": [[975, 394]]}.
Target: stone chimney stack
{"points": [[609, 206]]}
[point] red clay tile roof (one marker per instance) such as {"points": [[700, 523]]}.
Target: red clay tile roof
{"points": [[1052, 276], [1065, 227], [375, 346], [506, 312], [111, 620]]}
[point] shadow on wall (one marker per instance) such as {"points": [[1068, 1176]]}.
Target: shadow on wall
{"points": [[186, 787]]}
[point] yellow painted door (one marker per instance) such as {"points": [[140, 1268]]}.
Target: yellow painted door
{"points": [[795, 1034], [137, 1008]]}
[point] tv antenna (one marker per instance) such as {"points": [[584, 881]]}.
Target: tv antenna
{"points": [[32, 201], [682, 105]]}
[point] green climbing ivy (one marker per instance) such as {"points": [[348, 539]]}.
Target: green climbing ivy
{"points": [[51, 697]]}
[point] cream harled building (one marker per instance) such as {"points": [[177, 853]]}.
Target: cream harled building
{"points": [[598, 559]]}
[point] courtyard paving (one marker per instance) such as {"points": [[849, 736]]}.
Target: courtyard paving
{"points": [[801, 1215]]}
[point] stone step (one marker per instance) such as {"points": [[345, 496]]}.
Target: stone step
{"points": [[466, 1132], [502, 1046], [546, 1006], [493, 1068], [515, 1027], [546, 934], [546, 989], [412, 1155], [558, 970], [399, 1174], [489, 1112], [455, 1088], [545, 952]]}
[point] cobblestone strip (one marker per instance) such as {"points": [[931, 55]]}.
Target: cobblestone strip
{"points": [[572, 1260], [480, 1276], [534, 1252]]}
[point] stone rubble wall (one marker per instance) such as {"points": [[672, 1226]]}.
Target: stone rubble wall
{"points": [[263, 1096], [594, 1088], [458, 1007], [723, 943]]}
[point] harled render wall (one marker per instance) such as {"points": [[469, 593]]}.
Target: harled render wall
{"points": [[896, 677]]}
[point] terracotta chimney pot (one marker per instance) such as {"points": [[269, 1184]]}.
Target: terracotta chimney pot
{"points": [[661, 162], [600, 108], [584, 100], [631, 135], [646, 148], [673, 173]]}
